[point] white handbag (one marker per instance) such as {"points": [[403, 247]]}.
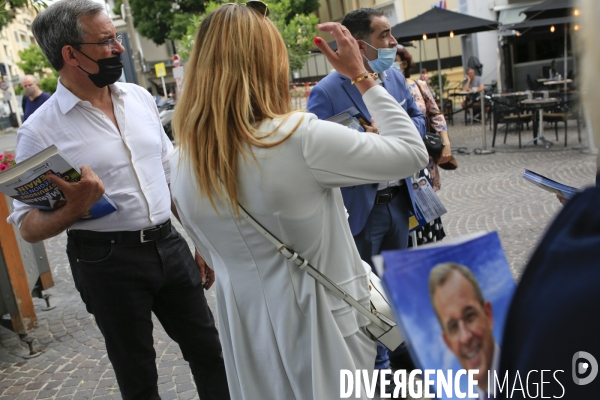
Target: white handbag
{"points": [[382, 327], [380, 306]]}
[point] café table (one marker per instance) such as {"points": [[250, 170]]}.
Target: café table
{"points": [[509, 94], [466, 92], [561, 82], [463, 93], [470, 96], [539, 104]]}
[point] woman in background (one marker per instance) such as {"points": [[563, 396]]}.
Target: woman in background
{"points": [[434, 231], [284, 335]]}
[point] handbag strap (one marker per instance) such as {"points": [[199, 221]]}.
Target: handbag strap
{"points": [[379, 319], [428, 114], [424, 102]]}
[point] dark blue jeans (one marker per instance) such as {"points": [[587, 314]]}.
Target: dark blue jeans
{"points": [[122, 284], [385, 229]]}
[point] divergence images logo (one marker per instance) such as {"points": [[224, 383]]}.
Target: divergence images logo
{"points": [[584, 363]]}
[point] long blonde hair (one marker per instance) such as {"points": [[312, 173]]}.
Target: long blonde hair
{"points": [[237, 76]]}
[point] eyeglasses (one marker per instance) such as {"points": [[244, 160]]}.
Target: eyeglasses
{"points": [[260, 7], [111, 43]]}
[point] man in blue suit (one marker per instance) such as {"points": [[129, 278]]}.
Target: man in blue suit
{"points": [[335, 94], [378, 212]]}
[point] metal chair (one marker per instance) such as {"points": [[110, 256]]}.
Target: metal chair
{"points": [[531, 84], [563, 112], [507, 113]]}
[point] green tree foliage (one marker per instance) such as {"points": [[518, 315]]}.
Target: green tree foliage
{"points": [[33, 62], [297, 32], [159, 20], [8, 9], [49, 83], [297, 35], [302, 7], [434, 82], [117, 9]]}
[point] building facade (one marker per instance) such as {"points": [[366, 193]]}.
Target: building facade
{"points": [[14, 37], [454, 52]]}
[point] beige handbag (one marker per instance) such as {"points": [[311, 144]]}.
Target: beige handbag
{"points": [[382, 327]]}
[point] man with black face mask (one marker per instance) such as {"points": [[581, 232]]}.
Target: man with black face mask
{"points": [[130, 263]]}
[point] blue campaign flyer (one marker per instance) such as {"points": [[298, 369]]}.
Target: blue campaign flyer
{"points": [[451, 300]]}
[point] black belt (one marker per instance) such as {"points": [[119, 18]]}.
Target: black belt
{"points": [[125, 237], [385, 198]]}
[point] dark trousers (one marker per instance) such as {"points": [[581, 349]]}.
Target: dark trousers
{"points": [[385, 229], [122, 284]]}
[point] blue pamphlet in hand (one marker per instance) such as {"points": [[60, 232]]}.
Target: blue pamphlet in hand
{"points": [[551, 186], [352, 118]]}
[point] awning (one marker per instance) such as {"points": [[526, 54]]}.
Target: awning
{"points": [[551, 5], [540, 22], [441, 22], [550, 9]]}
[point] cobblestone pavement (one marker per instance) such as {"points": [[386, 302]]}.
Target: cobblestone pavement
{"points": [[485, 193]]}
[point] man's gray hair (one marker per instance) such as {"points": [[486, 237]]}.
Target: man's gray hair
{"points": [[440, 274], [60, 25], [30, 77]]}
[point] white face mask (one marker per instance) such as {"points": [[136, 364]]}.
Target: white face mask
{"points": [[396, 65]]}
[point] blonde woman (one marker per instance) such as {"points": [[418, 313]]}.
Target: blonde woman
{"points": [[284, 335]]}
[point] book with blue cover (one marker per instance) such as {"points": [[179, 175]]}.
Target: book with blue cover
{"points": [[26, 182], [451, 299]]}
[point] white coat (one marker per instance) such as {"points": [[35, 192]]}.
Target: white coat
{"points": [[284, 335]]}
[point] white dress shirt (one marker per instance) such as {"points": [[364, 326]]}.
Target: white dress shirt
{"points": [[132, 161]]}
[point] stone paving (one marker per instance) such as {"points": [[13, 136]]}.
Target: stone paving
{"points": [[485, 193]]}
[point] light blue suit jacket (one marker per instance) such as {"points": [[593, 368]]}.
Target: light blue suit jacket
{"points": [[334, 94]]}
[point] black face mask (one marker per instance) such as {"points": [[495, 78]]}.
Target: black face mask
{"points": [[110, 70]]}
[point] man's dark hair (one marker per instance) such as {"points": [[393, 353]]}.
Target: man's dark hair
{"points": [[59, 25], [359, 21]]}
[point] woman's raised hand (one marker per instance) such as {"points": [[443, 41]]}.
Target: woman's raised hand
{"points": [[347, 60]]}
